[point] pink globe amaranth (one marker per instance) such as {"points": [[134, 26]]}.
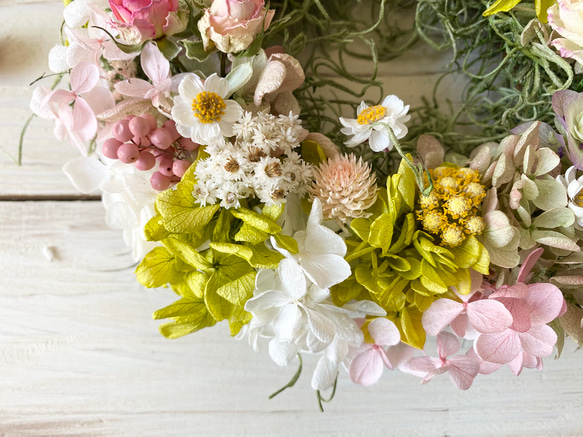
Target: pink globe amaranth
{"points": [[233, 24], [152, 18]]}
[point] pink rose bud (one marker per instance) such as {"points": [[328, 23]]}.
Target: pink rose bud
{"points": [[232, 25]]}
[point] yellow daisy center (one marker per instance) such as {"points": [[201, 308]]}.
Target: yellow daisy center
{"points": [[208, 107], [371, 115], [578, 200]]}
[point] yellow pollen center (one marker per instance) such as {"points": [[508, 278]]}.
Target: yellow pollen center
{"points": [[578, 200], [208, 107], [372, 114]]}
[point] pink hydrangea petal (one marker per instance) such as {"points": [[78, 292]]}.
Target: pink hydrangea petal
{"points": [[420, 366], [84, 77], [488, 315], [400, 354], [516, 365], [539, 340], [384, 332], [440, 314], [459, 325], [545, 302], [154, 64], [134, 87], [520, 312], [528, 264], [462, 370], [366, 368], [85, 123], [447, 344], [500, 347]]}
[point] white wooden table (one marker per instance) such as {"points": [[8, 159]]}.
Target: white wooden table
{"points": [[81, 355]]}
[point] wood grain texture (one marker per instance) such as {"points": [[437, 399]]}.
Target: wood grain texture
{"points": [[82, 356]]}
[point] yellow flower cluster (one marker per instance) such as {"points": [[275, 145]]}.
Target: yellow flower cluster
{"points": [[451, 209]]}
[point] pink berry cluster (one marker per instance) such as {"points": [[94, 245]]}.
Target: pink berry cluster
{"points": [[139, 140]]}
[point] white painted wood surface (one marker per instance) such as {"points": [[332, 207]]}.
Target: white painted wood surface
{"points": [[81, 356]]}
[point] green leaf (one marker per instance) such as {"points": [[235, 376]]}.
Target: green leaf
{"points": [[168, 48], [219, 307], [257, 221], [346, 291], [361, 227], [407, 185], [222, 227], [286, 242], [264, 258], [191, 27], [381, 232], [483, 264], [412, 329], [199, 319], [195, 50], [273, 212], [188, 254], [180, 212], [233, 279], [239, 76], [197, 283], [431, 279], [500, 6], [250, 234], [238, 319], [468, 253], [154, 230], [541, 7], [158, 268], [182, 307], [312, 152], [398, 263], [405, 235], [233, 249]]}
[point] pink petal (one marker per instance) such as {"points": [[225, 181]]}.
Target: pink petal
{"points": [[100, 99], [85, 123], [545, 302], [538, 340], [462, 370], [520, 313], [517, 291], [528, 264], [420, 366], [440, 314], [516, 365], [366, 368], [384, 332], [84, 77], [447, 344], [154, 64], [459, 325], [500, 347], [134, 87], [488, 316], [399, 354]]}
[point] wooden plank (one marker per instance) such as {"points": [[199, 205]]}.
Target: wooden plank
{"points": [[82, 356]]}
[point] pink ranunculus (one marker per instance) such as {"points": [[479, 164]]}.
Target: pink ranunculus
{"points": [[151, 18], [233, 24]]}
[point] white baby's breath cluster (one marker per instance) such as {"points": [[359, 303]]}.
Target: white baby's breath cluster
{"points": [[261, 163]]}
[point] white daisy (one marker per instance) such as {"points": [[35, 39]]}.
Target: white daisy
{"points": [[370, 124], [201, 110]]}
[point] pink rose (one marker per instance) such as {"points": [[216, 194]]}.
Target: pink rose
{"points": [[566, 18], [150, 19], [233, 24]]}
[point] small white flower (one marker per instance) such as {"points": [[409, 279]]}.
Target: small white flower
{"points": [[575, 192], [321, 251], [370, 121], [201, 110]]}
